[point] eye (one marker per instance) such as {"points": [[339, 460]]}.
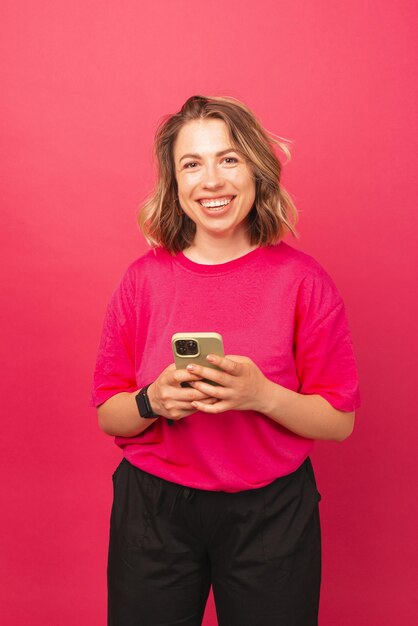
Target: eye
{"points": [[191, 163], [231, 159]]}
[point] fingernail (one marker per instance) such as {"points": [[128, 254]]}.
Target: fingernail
{"points": [[191, 367], [210, 357]]}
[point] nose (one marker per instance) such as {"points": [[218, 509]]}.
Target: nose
{"points": [[212, 177]]}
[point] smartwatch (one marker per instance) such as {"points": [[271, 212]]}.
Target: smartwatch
{"points": [[144, 405]]}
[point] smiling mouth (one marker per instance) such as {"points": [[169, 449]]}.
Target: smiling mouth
{"points": [[216, 205]]}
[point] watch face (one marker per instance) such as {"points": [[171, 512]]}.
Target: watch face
{"points": [[143, 404], [142, 407]]}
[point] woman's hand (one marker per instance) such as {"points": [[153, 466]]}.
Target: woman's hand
{"points": [[244, 385], [172, 401]]}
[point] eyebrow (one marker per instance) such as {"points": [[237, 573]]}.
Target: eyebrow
{"points": [[218, 154]]}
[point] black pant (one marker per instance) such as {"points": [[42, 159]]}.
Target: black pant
{"points": [[259, 549]]}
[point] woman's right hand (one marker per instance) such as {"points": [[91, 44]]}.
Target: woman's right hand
{"points": [[172, 401]]}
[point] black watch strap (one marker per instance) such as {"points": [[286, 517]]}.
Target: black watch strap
{"points": [[143, 403]]}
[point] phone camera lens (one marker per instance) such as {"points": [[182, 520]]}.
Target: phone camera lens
{"points": [[187, 347]]}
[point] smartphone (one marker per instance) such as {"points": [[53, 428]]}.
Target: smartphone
{"points": [[194, 348]]}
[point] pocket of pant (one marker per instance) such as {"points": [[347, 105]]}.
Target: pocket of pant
{"points": [[130, 517], [289, 506]]}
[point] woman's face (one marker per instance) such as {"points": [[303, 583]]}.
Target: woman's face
{"points": [[216, 187]]}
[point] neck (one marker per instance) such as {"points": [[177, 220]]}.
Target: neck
{"points": [[211, 251]]}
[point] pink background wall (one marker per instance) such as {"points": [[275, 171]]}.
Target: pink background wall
{"points": [[84, 85]]}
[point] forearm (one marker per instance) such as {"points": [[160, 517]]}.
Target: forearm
{"points": [[119, 416], [310, 416]]}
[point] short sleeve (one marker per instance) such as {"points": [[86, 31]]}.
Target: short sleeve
{"points": [[115, 364], [323, 349]]}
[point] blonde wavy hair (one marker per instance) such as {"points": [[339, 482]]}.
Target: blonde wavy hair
{"points": [[162, 220]]}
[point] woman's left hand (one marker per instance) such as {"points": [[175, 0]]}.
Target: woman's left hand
{"points": [[243, 384]]}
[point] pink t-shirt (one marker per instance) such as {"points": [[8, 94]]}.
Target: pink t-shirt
{"points": [[275, 305]]}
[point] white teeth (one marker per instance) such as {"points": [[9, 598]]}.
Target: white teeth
{"points": [[209, 204]]}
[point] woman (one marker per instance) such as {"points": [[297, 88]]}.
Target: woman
{"points": [[216, 486]]}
